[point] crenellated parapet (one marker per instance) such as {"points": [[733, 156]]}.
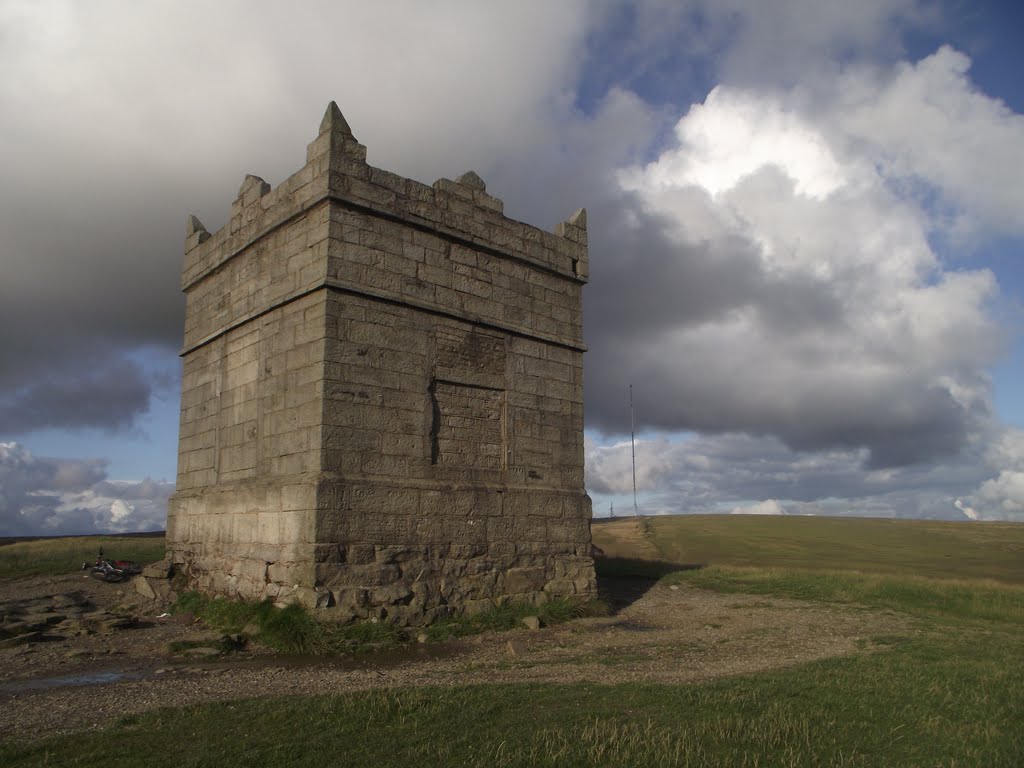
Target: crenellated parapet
{"points": [[336, 172]]}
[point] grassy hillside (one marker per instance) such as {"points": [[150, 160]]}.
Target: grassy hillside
{"points": [[948, 691], [919, 547], [43, 557]]}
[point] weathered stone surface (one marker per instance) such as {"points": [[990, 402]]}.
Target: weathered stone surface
{"points": [[472, 180], [21, 639], [381, 397], [158, 570], [142, 586]]}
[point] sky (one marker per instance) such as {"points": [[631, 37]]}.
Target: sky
{"points": [[806, 229]]}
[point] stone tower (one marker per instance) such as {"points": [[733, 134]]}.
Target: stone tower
{"points": [[382, 398]]}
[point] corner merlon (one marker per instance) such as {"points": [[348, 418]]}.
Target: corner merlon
{"points": [[335, 142], [335, 122]]}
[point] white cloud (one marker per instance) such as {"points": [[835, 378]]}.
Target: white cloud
{"points": [[731, 136], [767, 507], [1002, 497], [610, 467], [715, 474], [969, 512], [926, 122], [50, 497], [846, 330]]}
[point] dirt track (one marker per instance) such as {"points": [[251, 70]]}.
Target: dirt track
{"points": [[662, 634]]}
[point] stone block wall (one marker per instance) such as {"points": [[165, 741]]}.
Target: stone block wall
{"points": [[382, 408]]}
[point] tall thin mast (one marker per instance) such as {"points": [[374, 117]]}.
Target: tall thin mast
{"points": [[632, 448]]}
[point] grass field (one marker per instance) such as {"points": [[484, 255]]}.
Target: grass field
{"points": [[948, 693], [920, 547], [41, 557]]}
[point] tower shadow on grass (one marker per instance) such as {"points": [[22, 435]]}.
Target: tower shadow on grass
{"points": [[621, 581]]}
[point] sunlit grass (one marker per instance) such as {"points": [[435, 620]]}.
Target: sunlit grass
{"points": [[949, 692], [294, 630], [915, 595], [51, 557], [935, 549], [943, 701]]}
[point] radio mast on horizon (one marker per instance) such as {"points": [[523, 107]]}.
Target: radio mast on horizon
{"points": [[632, 448]]}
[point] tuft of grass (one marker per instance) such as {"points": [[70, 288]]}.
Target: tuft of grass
{"points": [[291, 629], [53, 557], [294, 630]]}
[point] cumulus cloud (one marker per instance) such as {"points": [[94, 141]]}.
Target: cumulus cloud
{"points": [[765, 208], [766, 507], [927, 123], [717, 474], [1001, 497], [770, 278], [969, 512], [49, 497]]}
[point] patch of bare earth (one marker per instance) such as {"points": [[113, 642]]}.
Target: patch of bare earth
{"points": [[665, 635], [625, 537]]}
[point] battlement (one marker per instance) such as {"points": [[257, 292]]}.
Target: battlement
{"points": [[336, 172], [382, 397]]}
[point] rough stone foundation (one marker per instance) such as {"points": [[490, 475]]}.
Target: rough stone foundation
{"points": [[382, 400]]}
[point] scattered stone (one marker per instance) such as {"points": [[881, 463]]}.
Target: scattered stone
{"points": [[117, 622], [143, 587], [515, 648], [422, 637], [158, 570], [532, 623], [68, 626], [674, 586], [22, 639]]}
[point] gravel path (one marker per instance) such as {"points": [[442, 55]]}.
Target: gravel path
{"points": [[664, 635]]}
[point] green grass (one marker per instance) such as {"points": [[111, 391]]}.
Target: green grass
{"points": [[52, 557], [948, 692], [290, 630], [918, 596], [950, 701], [921, 547], [294, 630]]}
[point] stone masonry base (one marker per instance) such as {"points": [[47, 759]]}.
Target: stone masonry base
{"points": [[409, 554]]}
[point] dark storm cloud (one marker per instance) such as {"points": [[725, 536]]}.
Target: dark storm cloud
{"points": [[122, 118], [100, 392], [683, 303], [647, 286]]}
